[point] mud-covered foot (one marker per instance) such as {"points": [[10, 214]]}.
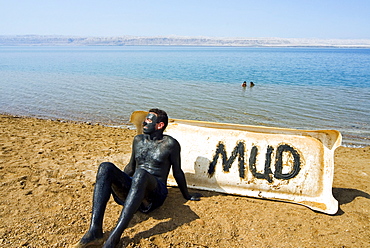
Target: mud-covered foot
{"points": [[89, 239]]}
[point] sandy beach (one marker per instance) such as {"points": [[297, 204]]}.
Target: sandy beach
{"points": [[47, 174]]}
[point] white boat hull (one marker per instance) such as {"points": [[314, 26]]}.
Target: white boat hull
{"points": [[275, 163]]}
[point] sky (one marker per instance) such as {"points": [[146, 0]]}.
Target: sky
{"points": [[323, 19]]}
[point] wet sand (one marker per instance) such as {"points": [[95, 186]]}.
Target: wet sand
{"points": [[47, 174]]}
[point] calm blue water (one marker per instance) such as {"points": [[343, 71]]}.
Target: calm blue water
{"points": [[303, 88]]}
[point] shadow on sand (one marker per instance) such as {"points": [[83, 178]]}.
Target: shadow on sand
{"points": [[345, 196], [172, 214]]}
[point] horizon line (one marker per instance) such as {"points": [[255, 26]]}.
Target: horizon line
{"points": [[181, 36], [175, 40]]}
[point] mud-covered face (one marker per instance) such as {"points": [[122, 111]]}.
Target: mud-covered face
{"points": [[150, 123]]}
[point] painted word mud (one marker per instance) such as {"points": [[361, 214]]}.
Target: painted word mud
{"points": [[239, 151], [289, 165]]}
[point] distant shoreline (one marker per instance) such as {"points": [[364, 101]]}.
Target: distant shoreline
{"points": [[128, 125], [58, 40]]}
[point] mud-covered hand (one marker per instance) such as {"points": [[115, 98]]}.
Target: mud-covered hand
{"points": [[195, 197]]}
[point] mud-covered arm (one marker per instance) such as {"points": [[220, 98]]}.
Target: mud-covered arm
{"points": [[131, 166], [179, 175]]}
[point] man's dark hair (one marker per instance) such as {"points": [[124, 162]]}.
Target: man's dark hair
{"points": [[161, 116]]}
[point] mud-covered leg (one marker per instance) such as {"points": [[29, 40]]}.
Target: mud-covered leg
{"points": [[142, 184], [108, 175]]}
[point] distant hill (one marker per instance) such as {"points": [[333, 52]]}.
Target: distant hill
{"points": [[52, 40]]}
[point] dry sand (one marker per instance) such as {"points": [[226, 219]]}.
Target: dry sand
{"points": [[47, 175]]}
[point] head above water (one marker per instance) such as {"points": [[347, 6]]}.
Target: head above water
{"points": [[156, 120]]}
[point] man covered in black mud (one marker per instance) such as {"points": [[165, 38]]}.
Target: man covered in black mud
{"points": [[143, 183]]}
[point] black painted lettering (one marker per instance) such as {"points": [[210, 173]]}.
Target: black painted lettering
{"points": [[279, 162], [267, 174], [227, 162]]}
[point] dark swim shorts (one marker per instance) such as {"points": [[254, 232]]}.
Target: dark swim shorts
{"points": [[155, 199]]}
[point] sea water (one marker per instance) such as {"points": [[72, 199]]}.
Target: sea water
{"points": [[301, 88]]}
